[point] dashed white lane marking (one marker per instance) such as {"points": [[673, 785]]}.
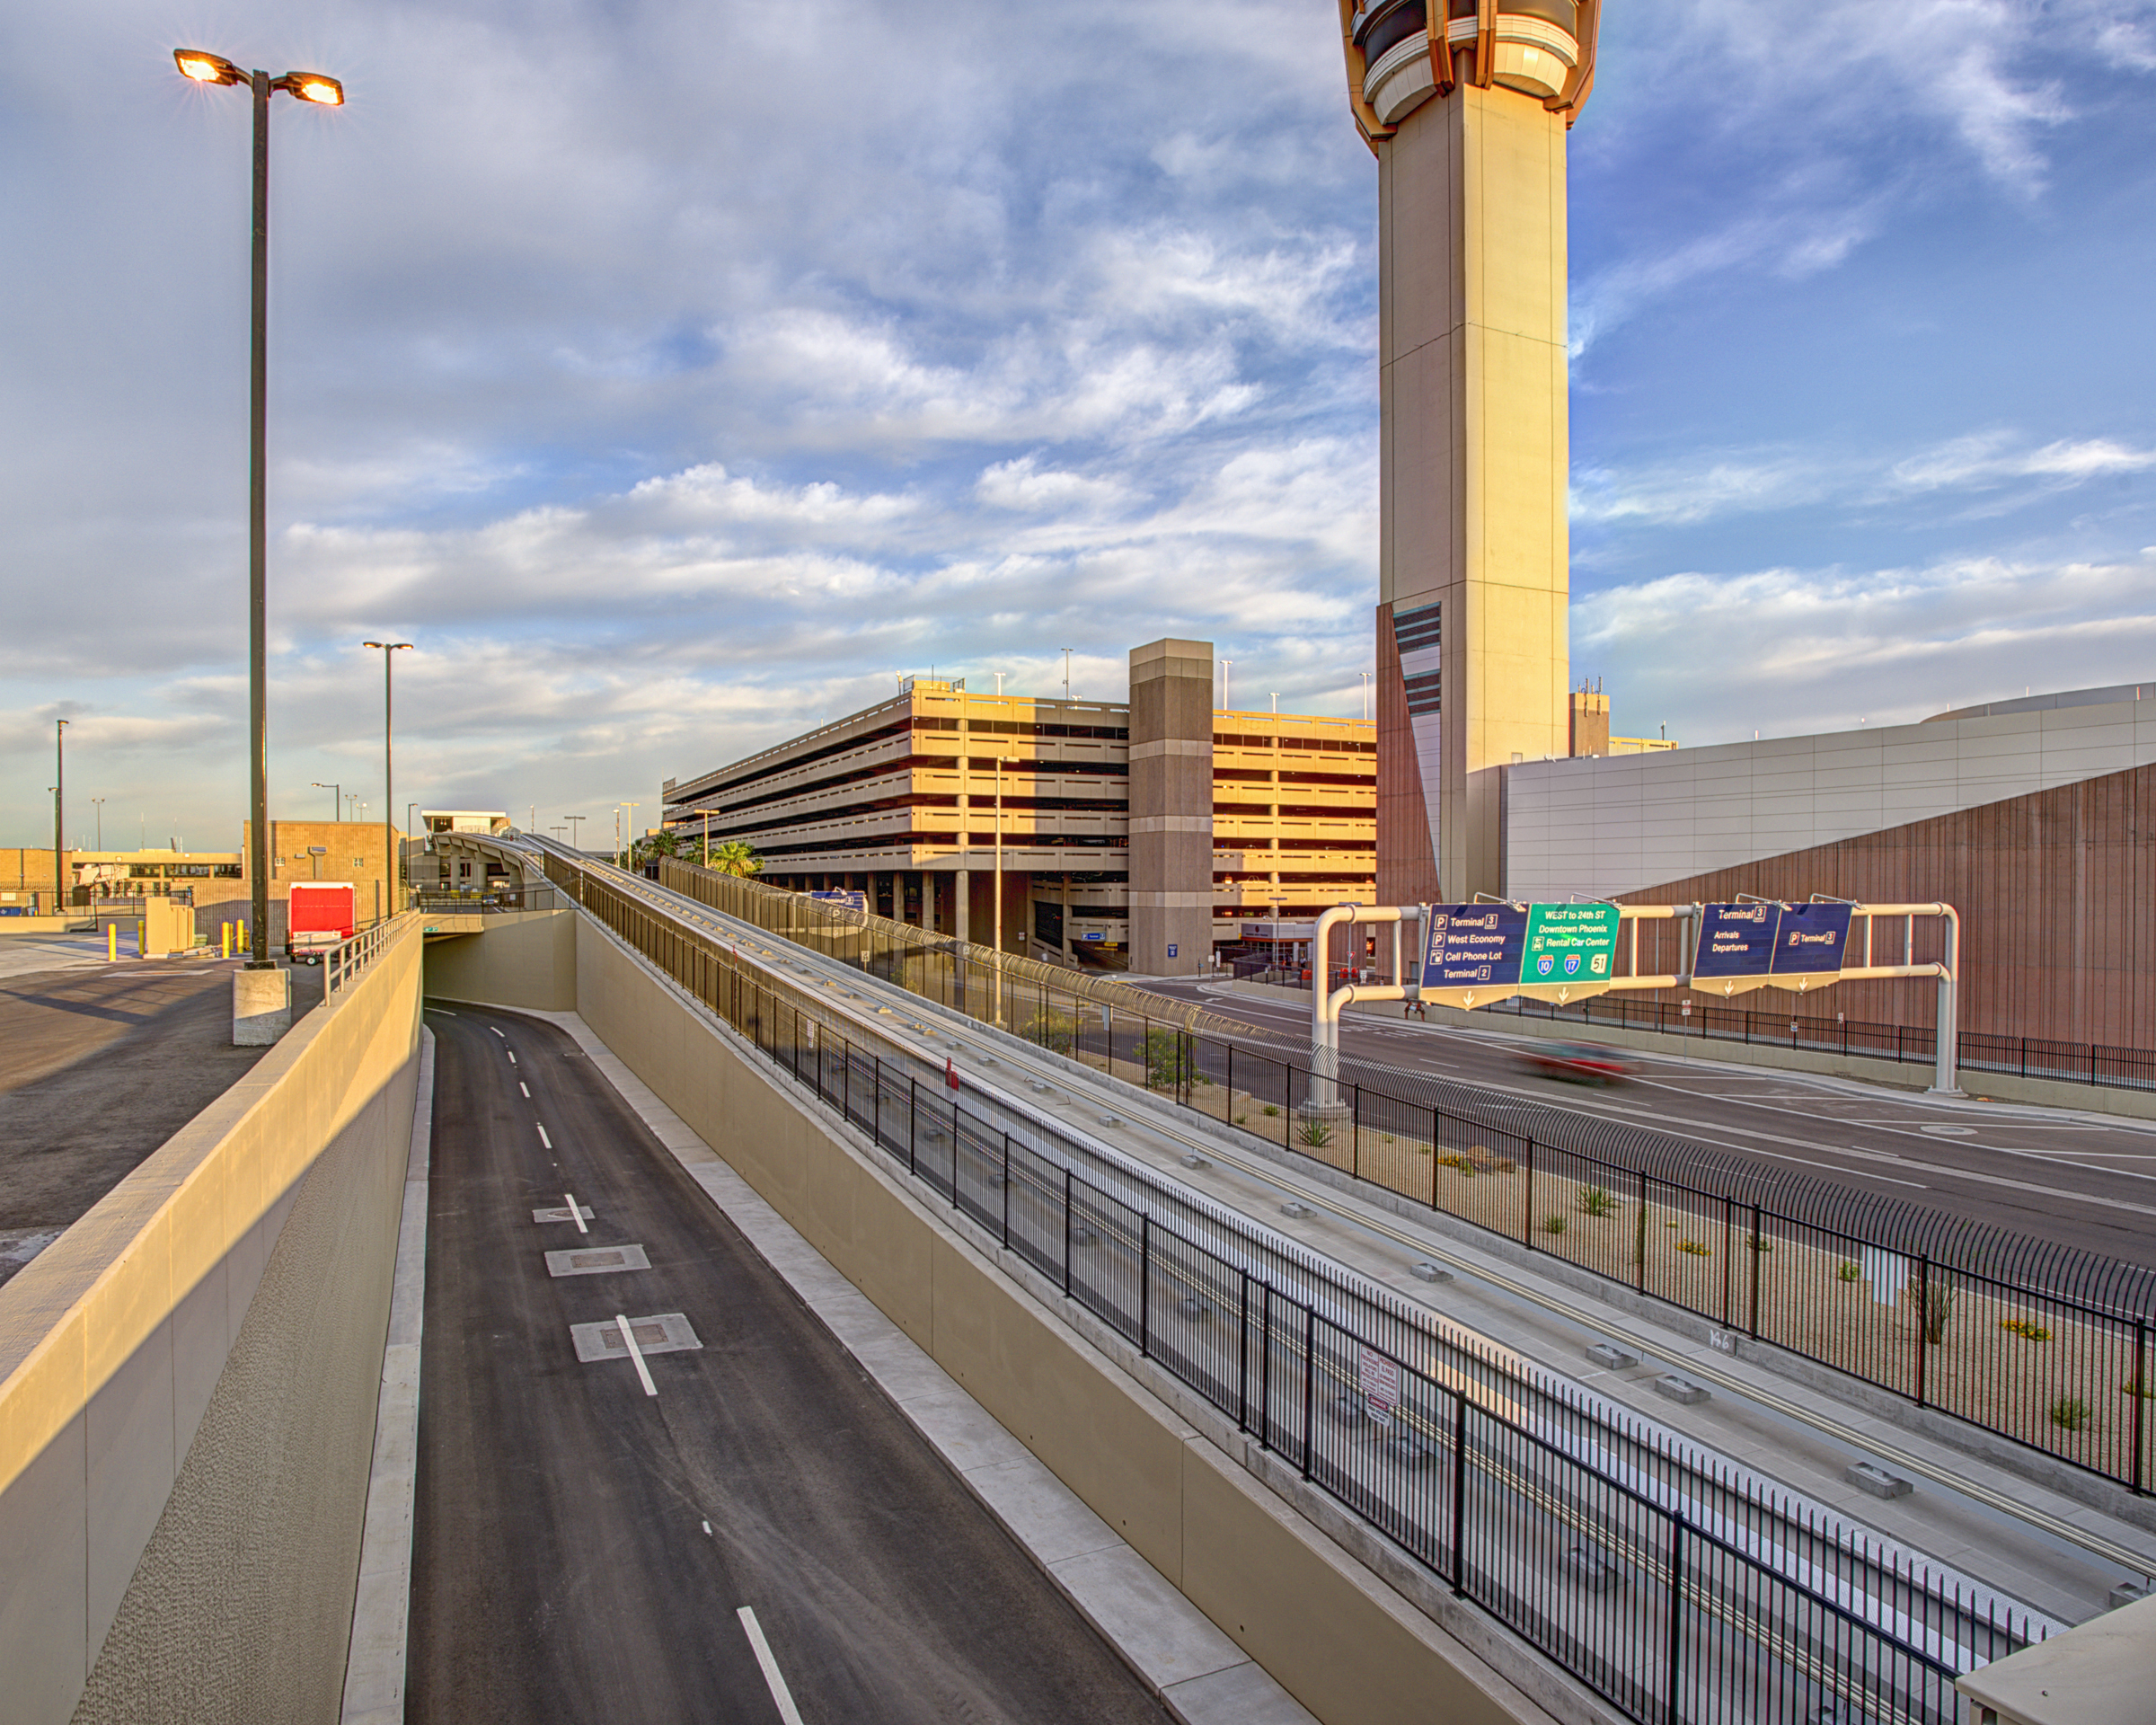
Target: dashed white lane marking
{"points": [[498, 1032], [576, 1215], [643, 1373], [525, 1088], [543, 1139], [781, 1696], [512, 1054]]}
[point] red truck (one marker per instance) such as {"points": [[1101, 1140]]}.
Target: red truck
{"points": [[323, 914]]}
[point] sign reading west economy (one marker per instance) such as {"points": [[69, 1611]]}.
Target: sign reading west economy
{"points": [[838, 900], [1571, 952], [1473, 952], [1479, 954], [1743, 947]]}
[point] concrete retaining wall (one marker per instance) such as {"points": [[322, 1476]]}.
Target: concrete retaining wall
{"points": [[187, 1385], [1346, 1646], [518, 959]]}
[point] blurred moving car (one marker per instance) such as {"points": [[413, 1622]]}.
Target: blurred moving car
{"points": [[1578, 1063]]}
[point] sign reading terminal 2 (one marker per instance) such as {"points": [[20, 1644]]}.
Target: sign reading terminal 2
{"points": [[1743, 947], [1477, 954]]}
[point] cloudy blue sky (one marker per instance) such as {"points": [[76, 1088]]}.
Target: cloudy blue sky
{"points": [[676, 374]]}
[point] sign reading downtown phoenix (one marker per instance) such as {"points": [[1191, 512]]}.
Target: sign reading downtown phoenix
{"points": [[1571, 952], [1743, 947], [1473, 956]]}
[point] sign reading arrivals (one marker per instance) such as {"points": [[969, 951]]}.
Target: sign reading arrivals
{"points": [[1479, 954], [1743, 947]]}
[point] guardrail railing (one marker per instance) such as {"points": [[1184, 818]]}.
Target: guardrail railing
{"points": [[1676, 1591], [343, 962]]}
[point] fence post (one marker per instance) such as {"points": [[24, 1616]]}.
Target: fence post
{"points": [[1066, 1231], [1145, 1285], [1243, 1357], [913, 1111], [1310, 1383], [1527, 1198], [1006, 1191], [1728, 1232], [1754, 1325], [1354, 1130], [1435, 1116], [1640, 1232], [2140, 1384], [954, 1152], [1459, 1495], [1923, 1317], [1676, 1611], [1265, 1366]]}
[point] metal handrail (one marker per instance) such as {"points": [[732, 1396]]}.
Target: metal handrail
{"points": [[343, 962]]}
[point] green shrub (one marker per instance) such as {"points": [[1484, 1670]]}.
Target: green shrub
{"points": [[2071, 1413], [1695, 1248], [1554, 1223], [1270, 1108], [1595, 1201], [1850, 1271], [1315, 1133]]}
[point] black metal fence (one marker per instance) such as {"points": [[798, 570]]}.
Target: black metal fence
{"points": [[1677, 1592], [2038, 1342]]}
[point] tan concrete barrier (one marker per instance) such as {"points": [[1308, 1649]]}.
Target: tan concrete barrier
{"points": [[515, 959], [1350, 1648], [187, 1386]]}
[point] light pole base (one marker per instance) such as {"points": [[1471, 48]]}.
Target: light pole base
{"points": [[1933, 1090], [262, 1007]]}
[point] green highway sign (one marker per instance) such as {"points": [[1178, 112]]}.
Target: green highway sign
{"points": [[1570, 953]]}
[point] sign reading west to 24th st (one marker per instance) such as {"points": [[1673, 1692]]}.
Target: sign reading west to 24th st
{"points": [[1797, 947], [1477, 954], [1571, 950]]}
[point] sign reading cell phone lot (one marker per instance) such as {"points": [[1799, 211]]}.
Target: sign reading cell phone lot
{"points": [[1571, 952], [1473, 956], [1477, 954], [1797, 947]]}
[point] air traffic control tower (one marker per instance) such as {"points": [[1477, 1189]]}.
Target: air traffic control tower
{"points": [[1465, 104]]}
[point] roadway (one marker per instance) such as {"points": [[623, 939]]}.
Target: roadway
{"points": [[100, 1064], [583, 1550], [2083, 1180]]}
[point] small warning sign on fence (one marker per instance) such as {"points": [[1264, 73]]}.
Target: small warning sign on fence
{"points": [[1380, 1384]]}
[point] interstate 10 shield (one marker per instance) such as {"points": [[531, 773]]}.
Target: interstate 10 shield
{"points": [[1570, 953]]}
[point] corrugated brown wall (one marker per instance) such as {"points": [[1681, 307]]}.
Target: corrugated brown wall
{"points": [[2057, 896]]}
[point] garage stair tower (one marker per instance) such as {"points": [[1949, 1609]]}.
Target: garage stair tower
{"points": [[1465, 104]]}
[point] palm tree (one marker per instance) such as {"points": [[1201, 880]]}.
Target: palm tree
{"points": [[736, 856]]}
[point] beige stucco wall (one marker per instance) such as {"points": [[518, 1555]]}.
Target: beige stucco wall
{"points": [[517, 959], [1350, 1648], [115, 1345]]}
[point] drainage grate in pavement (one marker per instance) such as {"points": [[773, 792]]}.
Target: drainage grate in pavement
{"points": [[596, 1261], [560, 1213], [665, 1332]]}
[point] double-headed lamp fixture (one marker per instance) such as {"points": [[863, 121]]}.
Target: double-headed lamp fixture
{"points": [[215, 68]]}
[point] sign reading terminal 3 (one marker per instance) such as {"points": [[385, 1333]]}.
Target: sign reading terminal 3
{"points": [[1475, 955]]}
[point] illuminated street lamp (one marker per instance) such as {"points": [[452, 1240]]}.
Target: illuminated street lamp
{"points": [[324, 92]]}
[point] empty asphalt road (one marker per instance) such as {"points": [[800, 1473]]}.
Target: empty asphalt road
{"points": [[584, 1550]]}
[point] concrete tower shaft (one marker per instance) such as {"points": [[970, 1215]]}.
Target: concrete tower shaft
{"points": [[1465, 104]]}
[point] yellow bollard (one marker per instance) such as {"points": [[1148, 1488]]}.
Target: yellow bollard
{"points": [[111, 943], [142, 936], [227, 932]]}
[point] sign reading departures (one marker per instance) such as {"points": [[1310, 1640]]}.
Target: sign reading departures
{"points": [[1477, 955]]}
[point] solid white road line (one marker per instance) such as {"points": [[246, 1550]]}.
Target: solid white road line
{"points": [[779, 1694], [635, 1353], [575, 1215], [543, 1139]]}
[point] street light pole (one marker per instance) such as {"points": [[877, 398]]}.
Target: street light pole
{"points": [[59, 805], [98, 803], [307, 86], [393, 873], [336, 797], [573, 822]]}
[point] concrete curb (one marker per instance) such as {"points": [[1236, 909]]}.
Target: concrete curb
{"points": [[373, 1670], [1201, 1676]]}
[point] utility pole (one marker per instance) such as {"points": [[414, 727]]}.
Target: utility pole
{"points": [[59, 805], [1066, 673]]}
